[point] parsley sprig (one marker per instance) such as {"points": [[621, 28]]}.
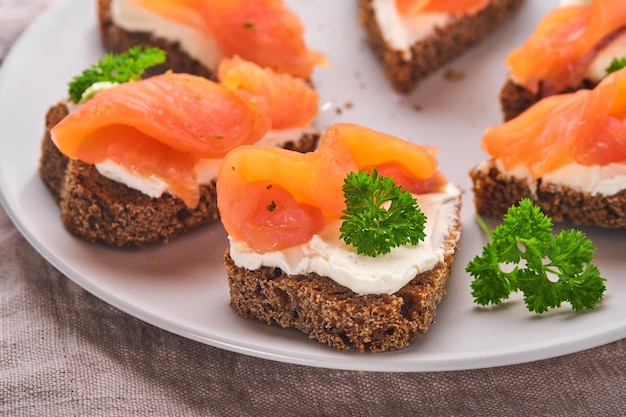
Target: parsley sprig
{"points": [[616, 65], [116, 68], [379, 215], [549, 269]]}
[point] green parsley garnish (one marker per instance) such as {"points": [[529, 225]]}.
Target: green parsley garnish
{"points": [[116, 68], [548, 269], [379, 215], [616, 65]]}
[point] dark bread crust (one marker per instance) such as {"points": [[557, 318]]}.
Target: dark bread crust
{"points": [[100, 210], [515, 99], [434, 52], [52, 163], [97, 209], [118, 40], [494, 193], [336, 316]]}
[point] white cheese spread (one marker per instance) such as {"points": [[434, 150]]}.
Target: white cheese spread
{"points": [[151, 186], [194, 41], [402, 32], [94, 88], [564, 3], [594, 179], [327, 255]]}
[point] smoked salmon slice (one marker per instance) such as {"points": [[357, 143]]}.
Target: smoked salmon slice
{"points": [[557, 54], [292, 102], [587, 127], [412, 7], [161, 126], [273, 198], [265, 32]]}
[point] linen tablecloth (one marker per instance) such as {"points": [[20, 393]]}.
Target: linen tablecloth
{"points": [[65, 352]]}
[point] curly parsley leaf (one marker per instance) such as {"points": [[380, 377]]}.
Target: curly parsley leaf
{"points": [[524, 255], [379, 215], [494, 285], [616, 65], [116, 68]]}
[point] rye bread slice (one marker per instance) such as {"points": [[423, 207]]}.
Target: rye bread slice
{"points": [[495, 192], [335, 315]]}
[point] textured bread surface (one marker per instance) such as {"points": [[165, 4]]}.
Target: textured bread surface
{"points": [[406, 70], [118, 40], [494, 193], [97, 209], [515, 99], [335, 315]]}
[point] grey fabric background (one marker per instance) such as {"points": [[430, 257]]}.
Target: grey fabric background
{"points": [[63, 352]]}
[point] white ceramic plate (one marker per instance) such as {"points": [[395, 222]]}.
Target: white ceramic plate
{"points": [[181, 287]]}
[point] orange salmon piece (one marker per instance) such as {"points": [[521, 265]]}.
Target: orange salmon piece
{"points": [[253, 180], [587, 127], [262, 31], [413, 7], [292, 102], [265, 32], [559, 51], [518, 140], [172, 109], [602, 138], [269, 218]]}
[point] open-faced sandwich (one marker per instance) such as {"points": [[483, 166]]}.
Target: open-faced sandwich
{"points": [[135, 162], [566, 152], [351, 244], [415, 38], [197, 35], [571, 48]]}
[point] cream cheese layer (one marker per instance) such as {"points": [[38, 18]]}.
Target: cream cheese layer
{"points": [[402, 32], [195, 42], [607, 179]]}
